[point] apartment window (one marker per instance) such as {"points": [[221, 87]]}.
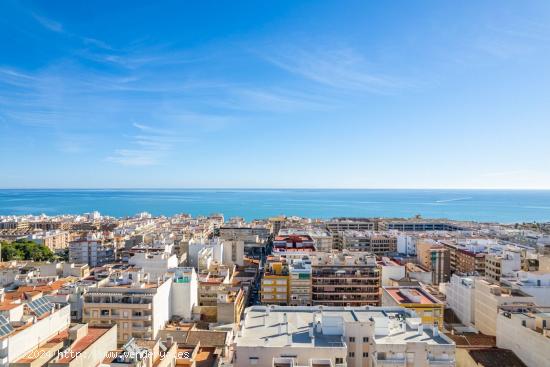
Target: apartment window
{"points": [[365, 354], [253, 360], [352, 339], [365, 339], [339, 360], [351, 354]]}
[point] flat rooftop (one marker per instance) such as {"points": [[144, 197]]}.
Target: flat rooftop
{"points": [[411, 295], [273, 333]]}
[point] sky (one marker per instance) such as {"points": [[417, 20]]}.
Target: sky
{"points": [[282, 94]]}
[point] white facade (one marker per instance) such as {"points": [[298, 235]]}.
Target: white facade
{"points": [[518, 332], [488, 298], [184, 292], [155, 264], [339, 337], [536, 284], [196, 245], [390, 270], [406, 244], [16, 345], [461, 298], [233, 252]]}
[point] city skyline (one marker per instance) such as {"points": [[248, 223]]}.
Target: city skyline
{"points": [[277, 95]]}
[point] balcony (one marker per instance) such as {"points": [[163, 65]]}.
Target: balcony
{"points": [[390, 362], [441, 362]]}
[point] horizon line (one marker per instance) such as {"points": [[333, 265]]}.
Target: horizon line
{"points": [[282, 188]]}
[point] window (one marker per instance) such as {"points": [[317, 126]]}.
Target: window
{"points": [[365, 339], [253, 360], [351, 354], [352, 339], [365, 354], [339, 360]]}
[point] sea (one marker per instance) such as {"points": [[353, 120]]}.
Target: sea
{"points": [[504, 206]]}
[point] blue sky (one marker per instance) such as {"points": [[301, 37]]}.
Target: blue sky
{"points": [[347, 94]]}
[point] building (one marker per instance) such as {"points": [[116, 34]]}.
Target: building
{"points": [[156, 264], [378, 243], [536, 284], [274, 283], [301, 243], [54, 240], [440, 265], [339, 337], [233, 252], [299, 283], [460, 297], [345, 279], [87, 346], [341, 225], [426, 306], [91, 251], [322, 238], [184, 294], [502, 265], [390, 271], [489, 298], [196, 251], [27, 326], [138, 307], [143, 353], [526, 333], [468, 262], [419, 226]]}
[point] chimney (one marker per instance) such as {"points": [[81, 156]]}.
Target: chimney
{"points": [[435, 330]]}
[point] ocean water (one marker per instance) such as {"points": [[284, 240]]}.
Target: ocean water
{"points": [[506, 206]]}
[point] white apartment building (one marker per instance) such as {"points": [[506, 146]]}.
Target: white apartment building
{"points": [[184, 292], [156, 264], [390, 270], [138, 307], [233, 252], [339, 337], [29, 326], [536, 284], [502, 265], [461, 298], [196, 245], [526, 333], [489, 298], [406, 244]]}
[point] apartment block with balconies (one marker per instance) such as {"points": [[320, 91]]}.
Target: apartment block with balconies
{"points": [[345, 279], [138, 307]]}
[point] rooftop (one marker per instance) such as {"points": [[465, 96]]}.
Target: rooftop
{"points": [[408, 295], [266, 326]]}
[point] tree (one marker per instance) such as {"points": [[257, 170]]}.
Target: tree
{"points": [[25, 250]]}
